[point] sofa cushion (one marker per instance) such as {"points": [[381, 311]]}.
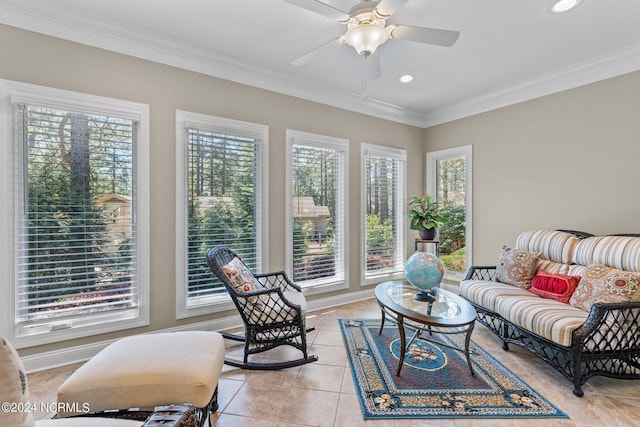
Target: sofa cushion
{"points": [[487, 294], [553, 267], [601, 283], [559, 287], [556, 246], [517, 267], [547, 318], [622, 252], [577, 270]]}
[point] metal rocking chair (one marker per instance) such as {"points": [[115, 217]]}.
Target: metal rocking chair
{"points": [[271, 306]]}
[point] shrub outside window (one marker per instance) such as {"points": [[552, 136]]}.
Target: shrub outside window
{"points": [[449, 180], [384, 217]]}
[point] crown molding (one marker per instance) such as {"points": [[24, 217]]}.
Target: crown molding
{"points": [[156, 47], [613, 64], [93, 31]]}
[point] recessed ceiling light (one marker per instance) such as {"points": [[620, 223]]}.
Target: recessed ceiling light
{"points": [[564, 5], [406, 78]]}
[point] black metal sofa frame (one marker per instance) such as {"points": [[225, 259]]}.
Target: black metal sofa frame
{"points": [[607, 344]]}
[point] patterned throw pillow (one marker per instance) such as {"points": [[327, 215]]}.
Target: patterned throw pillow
{"points": [[554, 286], [605, 284], [516, 267], [240, 276], [13, 388]]}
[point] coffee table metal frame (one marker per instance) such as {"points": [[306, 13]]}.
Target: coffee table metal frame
{"points": [[460, 323]]}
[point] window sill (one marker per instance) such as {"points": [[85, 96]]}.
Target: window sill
{"points": [[204, 306], [55, 331]]}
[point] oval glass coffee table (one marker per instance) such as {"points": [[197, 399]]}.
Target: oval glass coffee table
{"points": [[447, 314]]}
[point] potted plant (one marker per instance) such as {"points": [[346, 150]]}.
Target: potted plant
{"points": [[424, 216]]}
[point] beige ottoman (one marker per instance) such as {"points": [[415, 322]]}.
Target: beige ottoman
{"points": [[145, 371]]}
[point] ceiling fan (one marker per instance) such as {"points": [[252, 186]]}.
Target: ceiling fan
{"points": [[369, 25]]}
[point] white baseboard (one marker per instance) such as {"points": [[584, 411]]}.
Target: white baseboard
{"points": [[81, 353]]}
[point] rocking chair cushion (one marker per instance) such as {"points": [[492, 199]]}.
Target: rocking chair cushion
{"points": [[276, 310], [242, 279]]}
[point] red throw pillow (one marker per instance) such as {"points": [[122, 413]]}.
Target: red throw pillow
{"points": [[554, 286]]}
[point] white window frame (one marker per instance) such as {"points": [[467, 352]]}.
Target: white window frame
{"points": [[11, 93], [184, 120], [392, 153], [323, 285], [433, 157]]}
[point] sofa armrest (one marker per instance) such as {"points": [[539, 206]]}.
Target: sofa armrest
{"points": [[481, 272], [610, 327]]}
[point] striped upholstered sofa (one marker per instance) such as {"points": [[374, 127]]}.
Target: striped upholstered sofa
{"points": [[587, 321]]}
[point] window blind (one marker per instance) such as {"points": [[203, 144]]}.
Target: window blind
{"points": [[75, 199], [222, 203], [384, 212], [317, 210]]}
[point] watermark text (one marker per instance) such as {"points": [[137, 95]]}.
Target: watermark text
{"points": [[75, 407]]}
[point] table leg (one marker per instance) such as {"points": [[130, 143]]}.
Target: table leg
{"points": [[430, 306], [403, 348], [467, 340], [383, 319]]}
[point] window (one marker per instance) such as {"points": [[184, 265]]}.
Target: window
{"points": [[384, 217], [75, 213], [449, 180], [220, 188], [316, 195]]}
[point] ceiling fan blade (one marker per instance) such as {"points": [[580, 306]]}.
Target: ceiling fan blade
{"points": [[372, 66], [321, 8], [307, 57], [425, 35], [389, 7]]}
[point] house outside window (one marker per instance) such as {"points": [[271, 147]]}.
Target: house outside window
{"points": [[221, 202], [449, 180], [317, 202], [77, 168], [384, 214]]}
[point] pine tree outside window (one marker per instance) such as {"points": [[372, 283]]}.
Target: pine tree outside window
{"points": [[79, 185], [316, 194], [220, 203]]}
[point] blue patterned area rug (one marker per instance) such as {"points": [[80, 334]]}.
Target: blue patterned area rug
{"points": [[435, 381]]}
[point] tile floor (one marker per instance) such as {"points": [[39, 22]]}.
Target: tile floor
{"points": [[323, 394]]}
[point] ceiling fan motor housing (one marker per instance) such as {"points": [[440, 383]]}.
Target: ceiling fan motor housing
{"points": [[366, 28]]}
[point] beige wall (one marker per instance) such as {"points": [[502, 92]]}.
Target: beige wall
{"points": [[568, 160], [37, 59], [565, 161]]}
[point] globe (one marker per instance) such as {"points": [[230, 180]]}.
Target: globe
{"points": [[425, 271]]}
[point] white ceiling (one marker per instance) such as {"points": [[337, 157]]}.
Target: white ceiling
{"points": [[508, 50]]}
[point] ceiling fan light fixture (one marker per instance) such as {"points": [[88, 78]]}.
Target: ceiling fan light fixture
{"points": [[561, 6], [366, 38]]}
